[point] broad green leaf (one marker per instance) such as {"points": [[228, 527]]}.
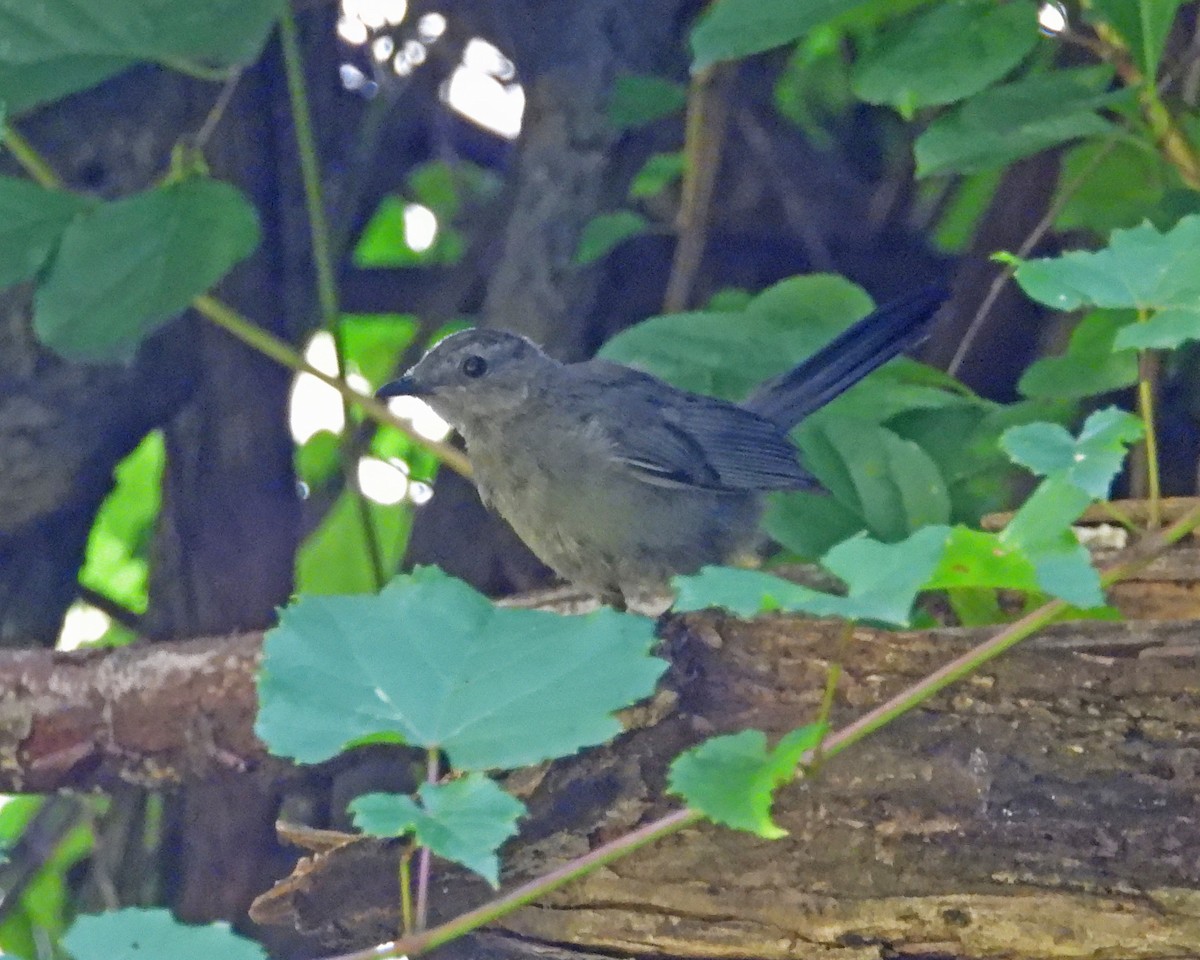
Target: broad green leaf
{"points": [[1088, 367], [335, 557], [432, 663], [657, 173], [317, 460], [55, 47], [945, 53], [1142, 24], [128, 266], [732, 780], [809, 524], [604, 232], [465, 820], [882, 581], [117, 560], [1142, 269], [889, 482], [1041, 530], [374, 342], [1077, 472], [384, 240], [737, 28], [32, 219], [974, 558], [1090, 462], [728, 353], [1008, 122], [139, 934], [1105, 186], [638, 100]]}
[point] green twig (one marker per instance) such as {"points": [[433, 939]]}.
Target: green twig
{"points": [[283, 353], [327, 295], [1135, 559], [406, 903], [30, 160], [1147, 382]]}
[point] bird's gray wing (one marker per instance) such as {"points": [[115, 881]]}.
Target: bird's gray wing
{"points": [[672, 438]]}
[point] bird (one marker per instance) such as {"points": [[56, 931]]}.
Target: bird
{"points": [[619, 481]]}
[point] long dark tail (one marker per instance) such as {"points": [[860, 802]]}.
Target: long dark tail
{"points": [[850, 356]]}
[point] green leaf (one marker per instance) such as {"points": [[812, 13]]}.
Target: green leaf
{"points": [[604, 232], [1090, 462], [732, 780], [1142, 269], [731, 29], [1143, 24], [117, 560], [657, 173], [1105, 186], [434, 664], [1041, 530], [55, 47], [138, 934], [809, 524], [335, 558], [1008, 122], [974, 558], [889, 482], [946, 53], [882, 582], [638, 100], [728, 353], [465, 820], [32, 219], [39, 915], [374, 342], [128, 266], [1088, 367]]}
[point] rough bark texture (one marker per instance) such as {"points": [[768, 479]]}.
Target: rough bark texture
{"points": [[1045, 807]]}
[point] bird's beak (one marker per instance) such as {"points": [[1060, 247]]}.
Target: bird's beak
{"points": [[405, 386]]}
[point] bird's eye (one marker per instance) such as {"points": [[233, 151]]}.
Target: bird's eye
{"points": [[474, 366]]}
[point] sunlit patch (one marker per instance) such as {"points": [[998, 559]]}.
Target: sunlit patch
{"points": [[431, 26], [425, 422], [382, 48], [375, 14], [352, 30], [352, 78], [1052, 18], [314, 405], [82, 625], [483, 57], [384, 481], [482, 98], [420, 227]]}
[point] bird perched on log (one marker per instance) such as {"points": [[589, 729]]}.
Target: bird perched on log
{"points": [[618, 480]]}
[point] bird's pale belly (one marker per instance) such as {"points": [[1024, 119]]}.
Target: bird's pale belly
{"points": [[611, 532]]}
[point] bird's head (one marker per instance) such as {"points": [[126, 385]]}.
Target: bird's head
{"points": [[473, 375]]}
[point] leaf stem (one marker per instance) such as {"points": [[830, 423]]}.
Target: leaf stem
{"points": [[283, 353], [423, 864], [1135, 559], [30, 160], [406, 904], [327, 294], [1147, 381]]}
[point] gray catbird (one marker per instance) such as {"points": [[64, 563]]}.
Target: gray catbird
{"points": [[616, 479]]}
